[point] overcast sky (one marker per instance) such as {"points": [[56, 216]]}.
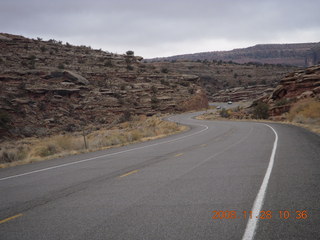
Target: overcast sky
{"points": [[153, 28]]}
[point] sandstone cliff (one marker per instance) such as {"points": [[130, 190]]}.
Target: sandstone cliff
{"points": [[296, 86]]}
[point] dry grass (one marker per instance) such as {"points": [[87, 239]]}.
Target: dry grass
{"points": [[304, 113], [138, 130]]}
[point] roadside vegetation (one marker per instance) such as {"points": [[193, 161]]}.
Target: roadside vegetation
{"points": [[304, 113], [138, 129]]}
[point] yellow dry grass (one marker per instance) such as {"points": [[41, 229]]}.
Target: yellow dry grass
{"points": [[306, 111], [138, 130]]}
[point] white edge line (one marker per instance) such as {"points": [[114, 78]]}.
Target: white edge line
{"points": [[105, 155], [258, 203]]}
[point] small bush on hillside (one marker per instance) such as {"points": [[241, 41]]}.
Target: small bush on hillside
{"points": [[154, 100], [185, 84], [224, 113], [164, 70], [4, 120], [154, 89], [126, 116], [261, 111], [130, 53], [61, 66], [164, 82], [282, 102], [191, 90], [130, 68]]}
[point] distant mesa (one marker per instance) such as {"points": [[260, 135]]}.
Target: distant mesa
{"points": [[298, 54]]}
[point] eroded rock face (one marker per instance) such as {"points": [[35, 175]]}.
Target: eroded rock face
{"points": [[50, 86], [299, 84], [295, 86], [224, 81]]}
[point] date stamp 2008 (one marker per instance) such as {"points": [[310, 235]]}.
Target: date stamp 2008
{"points": [[282, 214]]}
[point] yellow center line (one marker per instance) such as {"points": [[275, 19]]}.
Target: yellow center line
{"points": [[11, 218], [203, 145], [179, 154], [128, 173]]}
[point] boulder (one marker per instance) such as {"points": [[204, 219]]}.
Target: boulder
{"points": [[68, 76], [76, 78]]}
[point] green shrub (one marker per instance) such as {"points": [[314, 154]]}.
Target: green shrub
{"points": [[4, 120], [61, 66], [47, 150], [191, 90], [154, 89], [154, 100], [126, 116], [129, 67], [130, 53], [164, 70], [224, 113], [108, 63], [164, 82], [261, 111], [282, 102]]}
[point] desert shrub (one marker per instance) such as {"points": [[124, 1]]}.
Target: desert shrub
{"points": [[61, 66], [191, 90], [261, 111], [164, 82], [282, 102], [164, 70], [154, 89], [14, 154], [4, 119], [46, 150], [129, 67], [125, 117], [7, 156], [123, 86], [43, 49], [108, 63], [130, 53], [185, 84], [224, 113], [154, 100]]}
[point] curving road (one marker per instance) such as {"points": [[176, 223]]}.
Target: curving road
{"points": [[220, 180]]}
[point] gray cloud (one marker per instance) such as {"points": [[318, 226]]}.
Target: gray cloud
{"points": [[157, 28]]}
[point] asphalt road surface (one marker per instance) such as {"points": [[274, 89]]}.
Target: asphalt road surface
{"points": [[220, 180]]}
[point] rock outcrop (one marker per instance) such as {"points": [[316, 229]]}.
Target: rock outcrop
{"points": [[299, 84], [295, 86], [225, 81], [49, 87]]}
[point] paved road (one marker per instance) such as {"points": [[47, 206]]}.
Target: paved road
{"points": [[170, 188]]}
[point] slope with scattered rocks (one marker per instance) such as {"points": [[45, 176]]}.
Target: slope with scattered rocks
{"points": [[50, 87]]}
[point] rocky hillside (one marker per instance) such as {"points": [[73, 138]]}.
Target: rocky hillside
{"points": [[224, 81], [295, 86], [49, 87], [303, 54]]}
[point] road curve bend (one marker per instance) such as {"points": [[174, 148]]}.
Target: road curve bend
{"points": [[219, 180]]}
